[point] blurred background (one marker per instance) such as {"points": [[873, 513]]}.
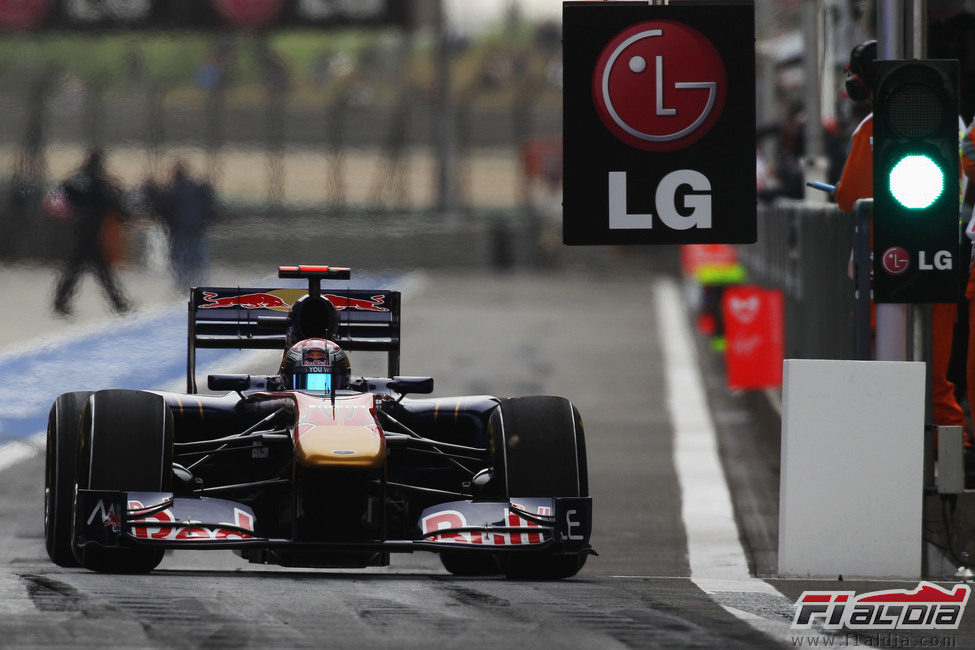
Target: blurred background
{"points": [[433, 126], [805, 118], [313, 121]]}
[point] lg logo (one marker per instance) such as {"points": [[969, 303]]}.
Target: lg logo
{"points": [[896, 261], [677, 208], [660, 86]]}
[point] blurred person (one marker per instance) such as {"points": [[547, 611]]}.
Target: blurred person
{"points": [[835, 139], [763, 172], [856, 182], [782, 175], [788, 165], [856, 179], [96, 206], [187, 208]]}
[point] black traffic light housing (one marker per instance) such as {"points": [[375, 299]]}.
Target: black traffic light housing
{"points": [[915, 181]]}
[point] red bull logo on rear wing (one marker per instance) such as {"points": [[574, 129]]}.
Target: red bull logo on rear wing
{"points": [[270, 300], [372, 303], [283, 299], [251, 318]]}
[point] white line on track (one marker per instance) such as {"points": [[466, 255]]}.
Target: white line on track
{"points": [[715, 554]]}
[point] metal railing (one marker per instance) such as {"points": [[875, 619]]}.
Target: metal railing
{"points": [[804, 250]]}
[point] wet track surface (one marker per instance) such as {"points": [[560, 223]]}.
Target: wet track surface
{"points": [[593, 338], [302, 609]]}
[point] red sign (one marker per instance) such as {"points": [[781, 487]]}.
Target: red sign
{"points": [[754, 322], [249, 14], [23, 14], [694, 256], [659, 85]]}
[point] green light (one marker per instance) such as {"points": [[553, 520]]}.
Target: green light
{"points": [[916, 181]]}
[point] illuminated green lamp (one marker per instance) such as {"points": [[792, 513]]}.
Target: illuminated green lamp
{"points": [[916, 181]]}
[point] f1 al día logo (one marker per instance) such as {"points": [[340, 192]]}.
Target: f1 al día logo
{"points": [[928, 607]]}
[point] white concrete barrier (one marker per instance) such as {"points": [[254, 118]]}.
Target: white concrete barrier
{"points": [[851, 478]]}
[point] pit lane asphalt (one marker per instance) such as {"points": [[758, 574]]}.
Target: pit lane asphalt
{"points": [[591, 337]]}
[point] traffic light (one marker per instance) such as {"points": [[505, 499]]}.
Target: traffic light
{"points": [[915, 181]]}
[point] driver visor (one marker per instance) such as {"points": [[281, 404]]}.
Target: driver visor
{"points": [[313, 381]]}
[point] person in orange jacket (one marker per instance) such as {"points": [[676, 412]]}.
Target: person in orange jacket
{"points": [[856, 182], [968, 168]]}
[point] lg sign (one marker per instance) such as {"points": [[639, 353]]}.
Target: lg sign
{"points": [[659, 85], [897, 261], [661, 140]]}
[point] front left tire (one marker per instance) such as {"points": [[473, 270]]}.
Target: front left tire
{"points": [[126, 444], [60, 469], [539, 449]]}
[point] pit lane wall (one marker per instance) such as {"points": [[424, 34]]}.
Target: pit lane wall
{"points": [[242, 236]]}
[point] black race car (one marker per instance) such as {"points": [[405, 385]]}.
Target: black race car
{"points": [[313, 467]]}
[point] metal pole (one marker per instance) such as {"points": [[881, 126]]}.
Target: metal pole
{"points": [[918, 30], [814, 162], [890, 29], [862, 212], [892, 343], [916, 47], [765, 78], [811, 30], [444, 128]]}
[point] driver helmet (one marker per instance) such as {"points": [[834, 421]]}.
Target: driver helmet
{"points": [[315, 364]]}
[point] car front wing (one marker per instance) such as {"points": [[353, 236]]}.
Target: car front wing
{"points": [[119, 519]]}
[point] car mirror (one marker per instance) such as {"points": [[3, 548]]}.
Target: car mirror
{"points": [[417, 385], [229, 382]]}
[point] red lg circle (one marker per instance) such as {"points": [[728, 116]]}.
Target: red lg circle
{"points": [[895, 260], [659, 85]]}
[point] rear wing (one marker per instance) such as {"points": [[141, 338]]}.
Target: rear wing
{"points": [[255, 318]]}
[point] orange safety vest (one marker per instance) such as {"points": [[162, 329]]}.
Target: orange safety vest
{"points": [[856, 182]]}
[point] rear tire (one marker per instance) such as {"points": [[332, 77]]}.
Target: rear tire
{"points": [[539, 450], [127, 440], [60, 468]]}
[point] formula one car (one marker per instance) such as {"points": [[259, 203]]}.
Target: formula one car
{"points": [[313, 467]]}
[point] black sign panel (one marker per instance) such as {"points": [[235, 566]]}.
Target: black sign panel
{"points": [[659, 123]]}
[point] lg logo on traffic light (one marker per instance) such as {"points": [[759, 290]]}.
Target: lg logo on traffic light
{"points": [[915, 181]]}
